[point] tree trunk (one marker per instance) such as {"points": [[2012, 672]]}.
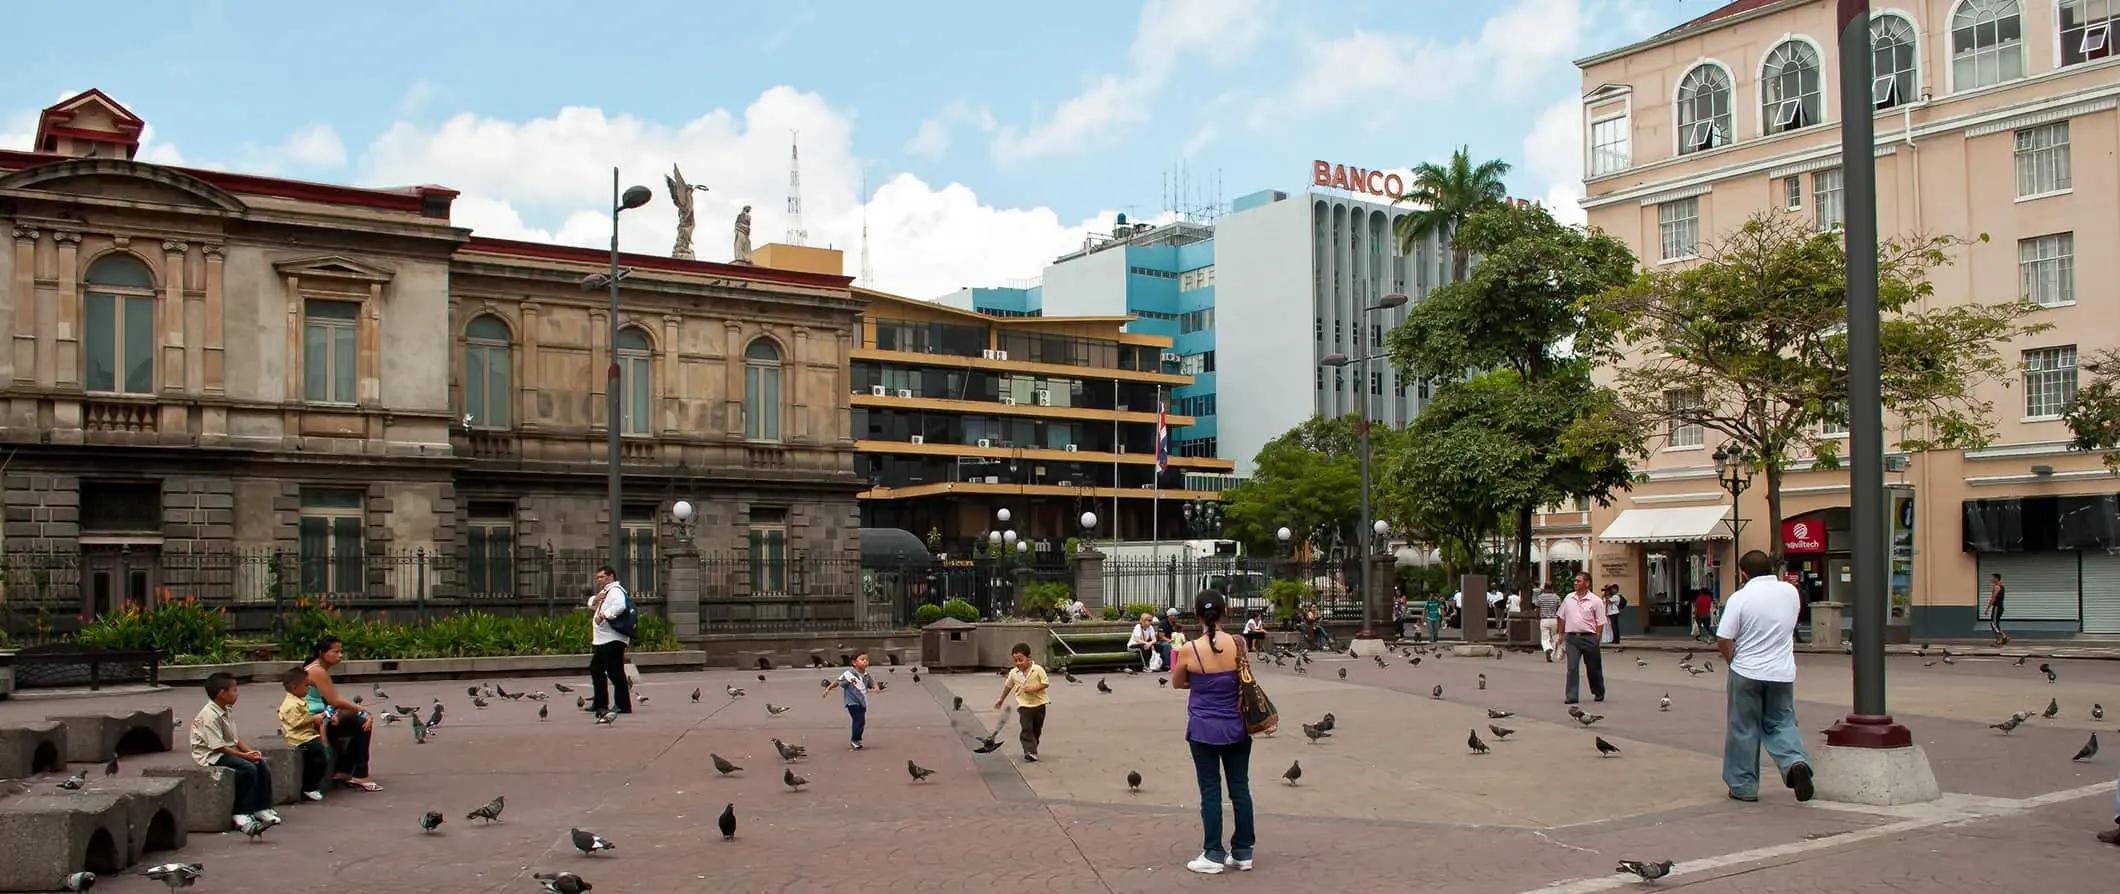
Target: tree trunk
{"points": [[1774, 475], [1459, 260]]}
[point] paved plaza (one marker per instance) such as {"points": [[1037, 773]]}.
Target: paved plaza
{"points": [[1392, 800]]}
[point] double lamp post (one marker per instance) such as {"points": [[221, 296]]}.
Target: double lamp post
{"points": [[1364, 531]]}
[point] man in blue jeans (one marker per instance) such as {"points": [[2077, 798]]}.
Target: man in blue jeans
{"points": [[214, 743], [2112, 835], [1757, 639]]}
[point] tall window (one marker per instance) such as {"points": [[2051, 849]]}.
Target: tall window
{"points": [[1987, 43], [1678, 224], [2043, 160], [1680, 432], [1792, 193], [331, 337], [769, 551], [2046, 265], [330, 546], [1703, 109], [118, 326], [1789, 83], [489, 552], [761, 391], [636, 563], [1610, 148], [2049, 381], [636, 380], [1828, 198], [2087, 30], [486, 366], [1896, 65]]}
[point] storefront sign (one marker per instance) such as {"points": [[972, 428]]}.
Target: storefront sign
{"points": [[1354, 179], [1803, 536]]}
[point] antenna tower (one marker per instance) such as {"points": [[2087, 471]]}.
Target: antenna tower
{"points": [[868, 274], [796, 234]]}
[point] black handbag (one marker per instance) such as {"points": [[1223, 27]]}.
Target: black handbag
{"points": [[1253, 706]]}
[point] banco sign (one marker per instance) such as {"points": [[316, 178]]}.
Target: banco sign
{"points": [[1354, 179]]}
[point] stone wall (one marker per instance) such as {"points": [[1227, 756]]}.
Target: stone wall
{"points": [[198, 515], [43, 512]]}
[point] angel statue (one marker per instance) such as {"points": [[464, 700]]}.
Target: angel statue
{"points": [[681, 196]]}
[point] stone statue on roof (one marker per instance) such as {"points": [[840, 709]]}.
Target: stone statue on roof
{"points": [[743, 236], [681, 196]]}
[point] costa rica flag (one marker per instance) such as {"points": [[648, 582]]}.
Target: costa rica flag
{"points": [[1162, 437]]}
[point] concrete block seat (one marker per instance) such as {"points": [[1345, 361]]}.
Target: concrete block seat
{"points": [[1094, 651], [49, 837], [209, 795], [154, 811], [95, 738], [284, 764], [27, 749]]}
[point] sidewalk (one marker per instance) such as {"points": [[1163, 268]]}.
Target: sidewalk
{"points": [[1982, 647]]}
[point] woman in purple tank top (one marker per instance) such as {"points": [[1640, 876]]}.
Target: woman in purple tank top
{"points": [[1221, 749]]}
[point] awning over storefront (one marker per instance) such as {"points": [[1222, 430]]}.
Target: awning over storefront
{"points": [[1565, 551], [1678, 524]]}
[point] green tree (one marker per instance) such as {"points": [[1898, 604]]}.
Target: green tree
{"points": [[1307, 480], [2094, 413], [1539, 414], [1750, 344], [1446, 195]]}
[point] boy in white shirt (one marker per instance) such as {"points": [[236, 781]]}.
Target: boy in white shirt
{"points": [[856, 684]]}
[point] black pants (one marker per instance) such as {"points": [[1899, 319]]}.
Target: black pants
{"points": [[1613, 620], [316, 759], [1030, 725], [349, 745], [607, 678], [253, 783], [1582, 649]]}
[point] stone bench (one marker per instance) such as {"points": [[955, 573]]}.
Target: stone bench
{"points": [[31, 748], [49, 837], [95, 738], [284, 764], [209, 795], [154, 811]]}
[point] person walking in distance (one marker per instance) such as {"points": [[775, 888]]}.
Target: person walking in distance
{"points": [[1994, 609], [1214, 729], [609, 691], [1582, 617], [1549, 620], [1703, 612], [855, 684], [1028, 681], [1614, 604], [1757, 639]]}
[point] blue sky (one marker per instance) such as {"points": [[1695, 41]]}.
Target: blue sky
{"points": [[990, 135]]}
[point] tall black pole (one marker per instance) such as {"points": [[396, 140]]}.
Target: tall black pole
{"points": [[1868, 725], [614, 406]]}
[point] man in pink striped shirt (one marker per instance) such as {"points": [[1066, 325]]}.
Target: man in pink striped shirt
{"points": [[1582, 618]]}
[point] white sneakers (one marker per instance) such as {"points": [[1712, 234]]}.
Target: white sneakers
{"points": [[267, 816], [1204, 866], [1239, 865], [242, 819], [313, 795]]}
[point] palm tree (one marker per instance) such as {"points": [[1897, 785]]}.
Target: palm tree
{"points": [[1446, 196]]}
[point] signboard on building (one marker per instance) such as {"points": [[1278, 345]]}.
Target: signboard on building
{"points": [[1803, 536], [1382, 184]]}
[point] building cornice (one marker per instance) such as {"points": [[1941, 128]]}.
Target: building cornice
{"points": [[1683, 32]]}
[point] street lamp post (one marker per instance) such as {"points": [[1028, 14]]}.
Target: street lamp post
{"points": [[1362, 533], [1733, 469], [1203, 517], [1089, 529], [1281, 538], [632, 197]]}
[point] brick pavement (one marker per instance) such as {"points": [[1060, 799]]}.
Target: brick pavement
{"points": [[1392, 798]]}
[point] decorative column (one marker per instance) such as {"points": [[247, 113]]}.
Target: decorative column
{"points": [[732, 370], [795, 377], [202, 356], [526, 370], [65, 338], [681, 587], [672, 393], [172, 362], [1089, 579], [29, 312], [370, 371], [599, 360]]}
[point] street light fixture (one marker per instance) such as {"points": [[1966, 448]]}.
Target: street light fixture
{"points": [[682, 512], [1733, 470], [1341, 361], [1089, 528], [633, 197], [1204, 517]]}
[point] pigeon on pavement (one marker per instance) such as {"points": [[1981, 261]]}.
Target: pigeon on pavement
{"points": [[722, 764], [176, 875], [1500, 732], [793, 781], [79, 881], [1664, 704], [1648, 870], [1133, 780], [2090, 749], [1605, 748], [1499, 714], [1587, 718], [1295, 772], [562, 882], [2053, 708], [491, 811], [918, 772], [589, 842], [2007, 725], [1472, 741], [727, 822], [1311, 732], [1103, 687], [430, 820]]}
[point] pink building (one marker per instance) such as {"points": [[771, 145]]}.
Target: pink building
{"points": [[1992, 116]]}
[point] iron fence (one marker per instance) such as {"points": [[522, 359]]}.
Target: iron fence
{"points": [[1250, 584]]}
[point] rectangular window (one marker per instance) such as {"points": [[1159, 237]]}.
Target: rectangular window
{"points": [[1680, 432], [769, 552], [1834, 427], [1792, 193], [637, 378], [331, 536], [1610, 151], [331, 333], [1678, 223], [2046, 266], [489, 557], [2087, 30], [636, 568], [486, 385], [761, 402], [2049, 381], [120, 343], [2043, 160], [1829, 196]]}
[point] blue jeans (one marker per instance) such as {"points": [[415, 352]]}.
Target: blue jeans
{"points": [[859, 715], [253, 783], [1759, 714], [1211, 763]]}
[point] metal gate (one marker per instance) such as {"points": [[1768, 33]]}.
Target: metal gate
{"points": [[2101, 592], [2041, 586]]}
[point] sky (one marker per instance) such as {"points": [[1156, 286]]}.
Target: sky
{"points": [[976, 141]]}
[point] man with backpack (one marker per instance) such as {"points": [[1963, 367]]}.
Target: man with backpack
{"points": [[612, 621]]}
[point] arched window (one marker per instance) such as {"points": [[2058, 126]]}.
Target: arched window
{"points": [[636, 376], [1987, 43], [1703, 109], [1789, 96], [2087, 30], [486, 366], [761, 391], [118, 326], [1896, 62]]}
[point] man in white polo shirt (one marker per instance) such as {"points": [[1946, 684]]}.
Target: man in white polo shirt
{"points": [[1757, 639]]}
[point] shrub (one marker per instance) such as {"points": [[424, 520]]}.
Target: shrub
{"points": [[927, 614], [1137, 609], [1113, 613], [177, 627], [1288, 597], [961, 610], [471, 634], [1042, 599]]}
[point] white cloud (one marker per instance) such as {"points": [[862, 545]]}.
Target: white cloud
{"points": [[931, 140], [1219, 31], [1553, 159], [933, 137], [416, 99], [317, 146], [548, 179]]}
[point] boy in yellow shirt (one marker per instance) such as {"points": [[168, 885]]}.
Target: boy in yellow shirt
{"points": [[302, 730], [1029, 683]]}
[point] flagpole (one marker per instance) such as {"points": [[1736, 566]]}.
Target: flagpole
{"points": [[1155, 512], [1118, 447]]}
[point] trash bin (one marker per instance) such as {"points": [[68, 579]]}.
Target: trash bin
{"points": [[948, 643]]}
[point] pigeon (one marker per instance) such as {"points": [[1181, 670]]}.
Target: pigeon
{"points": [[477, 702], [2020, 661], [490, 812], [2048, 670], [721, 764], [74, 782], [1102, 687], [79, 881], [1133, 780], [1416, 662], [111, 769], [1070, 677], [405, 710], [1162, 682], [916, 676], [2053, 707], [793, 781], [562, 687], [2007, 725], [1295, 772], [1483, 682], [1605, 748], [761, 678], [957, 704], [419, 731], [589, 842], [1328, 722], [356, 699], [607, 719], [1311, 732], [1648, 870], [2097, 712], [177, 875], [541, 713], [1343, 673], [1708, 665], [1949, 658], [777, 710], [1437, 692], [1379, 660], [430, 820], [733, 693], [790, 753], [389, 719], [918, 772], [2089, 750], [1472, 741], [1640, 663], [1499, 731], [472, 691], [695, 695], [1499, 714], [562, 882], [1586, 718], [434, 717], [255, 830], [727, 822], [1928, 664], [1664, 704]]}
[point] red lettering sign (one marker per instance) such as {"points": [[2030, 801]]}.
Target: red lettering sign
{"points": [[1355, 179], [1803, 536]]}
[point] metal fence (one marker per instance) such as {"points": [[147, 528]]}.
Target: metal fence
{"points": [[1248, 583]]}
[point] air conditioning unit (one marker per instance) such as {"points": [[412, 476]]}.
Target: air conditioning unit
{"points": [[1000, 355], [1008, 401], [1071, 448], [1171, 357], [905, 392], [878, 391], [919, 439], [986, 442], [1045, 398], [987, 354]]}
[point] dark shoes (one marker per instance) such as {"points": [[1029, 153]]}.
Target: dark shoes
{"points": [[1745, 798], [1800, 780], [2110, 836]]}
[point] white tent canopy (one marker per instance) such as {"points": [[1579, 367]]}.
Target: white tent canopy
{"points": [[1677, 524]]}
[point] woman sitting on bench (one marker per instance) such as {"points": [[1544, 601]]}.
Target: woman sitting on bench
{"points": [[347, 726]]}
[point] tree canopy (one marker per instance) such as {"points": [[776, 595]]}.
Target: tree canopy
{"points": [[1308, 480], [1447, 194], [2094, 413]]}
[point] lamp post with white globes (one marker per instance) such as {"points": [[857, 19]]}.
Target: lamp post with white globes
{"points": [[1089, 528], [682, 513], [1282, 537]]}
